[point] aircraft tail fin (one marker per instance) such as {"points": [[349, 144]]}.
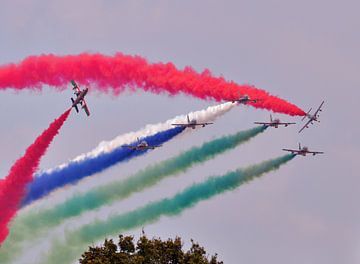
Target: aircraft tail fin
{"points": [[188, 119], [299, 146]]}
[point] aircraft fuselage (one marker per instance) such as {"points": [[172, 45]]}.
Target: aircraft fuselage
{"points": [[304, 151], [243, 100], [80, 97]]}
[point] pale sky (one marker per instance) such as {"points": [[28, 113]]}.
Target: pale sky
{"points": [[303, 51]]}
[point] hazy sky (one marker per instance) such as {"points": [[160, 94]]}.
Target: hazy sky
{"points": [[304, 51]]}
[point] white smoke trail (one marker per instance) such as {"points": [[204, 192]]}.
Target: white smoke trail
{"points": [[205, 115]]}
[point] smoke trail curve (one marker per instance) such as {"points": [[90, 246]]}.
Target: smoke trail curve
{"points": [[21, 173], [77, 240], [115, 73]]}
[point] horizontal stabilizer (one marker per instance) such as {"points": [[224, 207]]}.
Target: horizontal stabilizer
{"points": [[75, 106]]}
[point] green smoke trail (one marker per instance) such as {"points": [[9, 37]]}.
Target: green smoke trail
{"points": [[77, 240], [32, 224]]}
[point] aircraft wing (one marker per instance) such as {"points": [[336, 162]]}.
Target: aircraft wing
{"points": [[179, 124], [75, 86], [291, 150], [306, 125], [155, 146], [201, 124], [190, 125], [286, 124], [315, 152], [319, 109], [129, 147], [197, 124], [263, 123], [85, 107], [269, 124]]}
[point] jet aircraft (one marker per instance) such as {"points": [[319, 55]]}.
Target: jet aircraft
{"points": [[303, 151], [245, 99], [312, 117], [141, 145], [80, 98], [192, 123], [274, 123]]}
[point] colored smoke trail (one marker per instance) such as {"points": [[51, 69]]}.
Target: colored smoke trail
{"points": [[47, 182], [36, 223], [121, 71], [76, 241], [207, 115], [21, 173]]}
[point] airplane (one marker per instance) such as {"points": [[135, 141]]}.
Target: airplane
{"points": [[312, 118], [274, 123], [303, 151], [80, 98], [192, 123], [141, 145], [245, 99]]}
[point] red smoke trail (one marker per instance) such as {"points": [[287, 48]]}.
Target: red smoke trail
{"points": [[121, 71], [21, 173]]}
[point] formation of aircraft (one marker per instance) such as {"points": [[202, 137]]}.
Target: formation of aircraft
{"points": [[303, 151], [245, 99], [312, 117], [141, 145], [274, 123], [192, 123], [80, 98]]}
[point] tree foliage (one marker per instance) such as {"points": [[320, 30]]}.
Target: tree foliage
{"points": [[147, 251]]}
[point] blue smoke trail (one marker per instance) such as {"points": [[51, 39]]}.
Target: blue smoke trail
{"points": [[47, 182]]}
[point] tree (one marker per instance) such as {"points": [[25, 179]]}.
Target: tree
{"points": [[146, 251]]}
